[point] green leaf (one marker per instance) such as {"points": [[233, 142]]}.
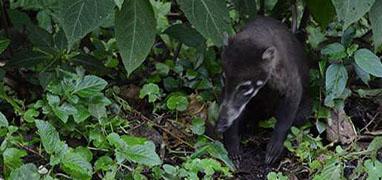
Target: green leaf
{"points": [[161, 10], [375, 145], [375, 17], [49, 137], [247, 8], [89, 86], [335, 82], [335, 51], [276, 176], [368, 62], [77, 166], [363, 75], [3, 120], [119, 3], [162, 69], [198, 127], [82, 113], [26, 59], [135, 29], [332, 170], [97, 110], [215, 149], [103, 163], [135, 149], [177, 102], [4, 44], [25, 172], [151, 90], [373, 169], [322, 11], [84, 152], [186, 35], [350, 11], [12, 158], [30, 115], [210, 18], [315, 36], [79, 17]]}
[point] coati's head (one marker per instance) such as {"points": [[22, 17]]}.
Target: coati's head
{"points": [[247, 68]]}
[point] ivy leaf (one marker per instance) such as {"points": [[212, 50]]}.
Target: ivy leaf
{"points": [[373, 169], [77, 166], [335, 82], [138, 150], [350, 11], [177, 102], [50, 138], [79, 17], [368, 62], [375, 17], [198, 127], [3, 120], [12, 158], [151, 90], [30, 115], [89, 86], [210, 18], [135, 29], [25, 172]]}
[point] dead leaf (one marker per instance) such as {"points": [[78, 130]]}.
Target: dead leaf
{"points": [[340, 128]]}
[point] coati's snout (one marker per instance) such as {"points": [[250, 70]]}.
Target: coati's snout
{"points": [[235, 102]]}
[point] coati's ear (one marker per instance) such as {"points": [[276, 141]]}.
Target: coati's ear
{"points": [[270, 53]]}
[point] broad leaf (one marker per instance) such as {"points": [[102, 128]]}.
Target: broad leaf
{"points": [[247, 8], [373, 169], [177, 102], [350, 11], [4, 44], [138, 150], [77, 166], [332, 170], [198, 126], [89, 86], [322, 11], [12, 158], [27, 59], [375, 17], [334, 51], [209, 17], [151, 90], [103, 163], [3, 120], [25, 172], [79, 17], [335, 82], [186, 35], [368, 62], [135, 28], [49, 136]]}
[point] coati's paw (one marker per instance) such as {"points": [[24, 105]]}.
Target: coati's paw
{"points": [[236, 158], [274, 150]]}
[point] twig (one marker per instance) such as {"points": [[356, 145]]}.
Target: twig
{"points": [[32, 151]]}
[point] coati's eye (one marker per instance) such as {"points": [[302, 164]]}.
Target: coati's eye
{"points": [[245, 88]]}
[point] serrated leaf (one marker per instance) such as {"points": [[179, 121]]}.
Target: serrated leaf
{"points": [[79, 17], [103, 163], [135, 28], [77, 166], [13, 158], [215, 149], [50, 138], [138, 150], [210, 18], [82, 114], [368, 62], [25, 172], [89, 86], [375, 17], [3, 120], [350, 11], [30, 115]]}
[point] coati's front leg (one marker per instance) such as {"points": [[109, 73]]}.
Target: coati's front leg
{"points": [[231, 139], [286, 114]]}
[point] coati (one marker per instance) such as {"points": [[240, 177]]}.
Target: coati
{"points": [[265, 74]]}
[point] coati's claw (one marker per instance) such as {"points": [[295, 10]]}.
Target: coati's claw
{"points": [[274, 150]]}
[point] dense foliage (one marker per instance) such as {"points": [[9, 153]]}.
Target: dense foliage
{"points": [[128, 89]]}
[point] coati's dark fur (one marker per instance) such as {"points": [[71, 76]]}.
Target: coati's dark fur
{"points": [[264, 51]]}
